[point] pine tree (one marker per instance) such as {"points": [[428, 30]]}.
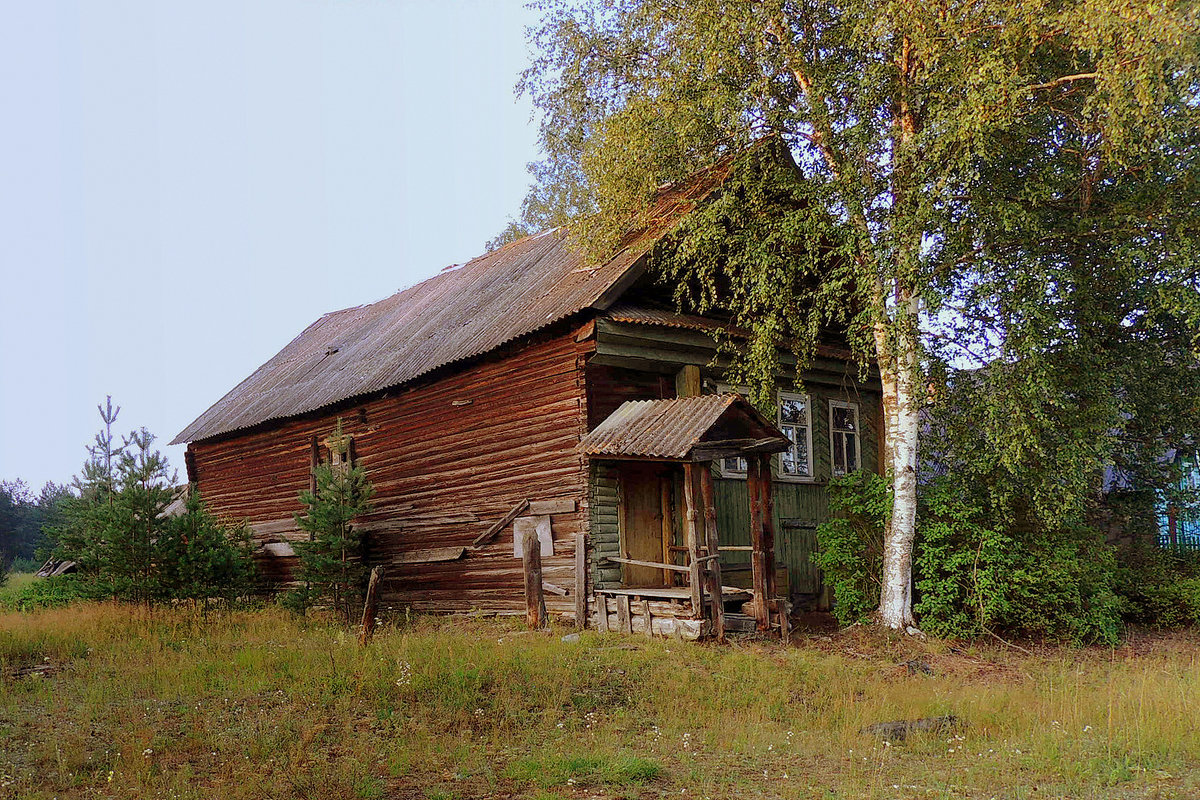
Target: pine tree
{"points": [[200, 559], [331, 561]]}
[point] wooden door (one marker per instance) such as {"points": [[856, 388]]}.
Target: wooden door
{"points": [[642, 523]]}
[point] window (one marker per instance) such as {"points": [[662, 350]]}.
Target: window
{"points": [[844, 436], [795, 420]]}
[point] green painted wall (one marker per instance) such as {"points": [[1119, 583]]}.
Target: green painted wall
{"points": [[799, 507]]}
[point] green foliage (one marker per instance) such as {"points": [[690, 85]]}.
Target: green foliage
{"points": [[1160, 587], [125, 544], [200, 559], [331, 561], [975, 577], [26, 522], [56, 592], [850, 545]]}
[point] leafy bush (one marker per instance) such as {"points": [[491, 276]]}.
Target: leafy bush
{"points": [[975, 576], [850, 546], [56, 592], [21, 564], [1160, 587]]}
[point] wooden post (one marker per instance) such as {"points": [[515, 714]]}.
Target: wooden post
{"points": [[368, 617], [531, 562], [768, 504], [581, 580], [601, 613], [693, 545], [624, 620], [708, 498], [687, 381], [647, 620], [758, 560], [664, 503]]}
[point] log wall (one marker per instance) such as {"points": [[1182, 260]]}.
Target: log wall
{"points": [[448, 458]]}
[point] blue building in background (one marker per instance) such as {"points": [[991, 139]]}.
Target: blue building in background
{"points": [[1180, 526]]}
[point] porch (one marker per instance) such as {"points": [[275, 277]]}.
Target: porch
{"points": [[652, 474]]}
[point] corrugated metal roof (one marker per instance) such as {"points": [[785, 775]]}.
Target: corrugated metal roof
{"points": [[668, 428], [459, 313]]}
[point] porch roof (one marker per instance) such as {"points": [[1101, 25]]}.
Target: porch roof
{"points": [[684, 429]]}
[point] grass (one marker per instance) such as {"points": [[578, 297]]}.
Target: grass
{"points": [[260, 704]]}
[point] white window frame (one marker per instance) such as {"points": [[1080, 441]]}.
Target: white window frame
{"points": [[777, 459], [858, 433], [780, 396]]}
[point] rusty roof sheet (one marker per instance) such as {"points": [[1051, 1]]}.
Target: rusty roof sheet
{"points": [[669, 428], [463, 311]]}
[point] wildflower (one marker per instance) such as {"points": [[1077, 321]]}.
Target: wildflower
{"points": [[147, 752]]}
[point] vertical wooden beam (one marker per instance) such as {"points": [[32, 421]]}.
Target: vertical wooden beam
{"points": [[531, 562], [758, 561], [624, 621], [664, 490], [687, 381], [601, 613], [580, 581], [767, 488], [712, 543], [647, 619], [693, 544], [368, 617]]}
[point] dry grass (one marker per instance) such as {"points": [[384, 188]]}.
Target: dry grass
{"points": [[258, 704]]}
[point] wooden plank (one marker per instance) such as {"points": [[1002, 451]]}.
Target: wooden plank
{"points": [[693, 545], [491, 532], [758, 562], [647, 620], [531, 563], [429, 555], [768, 504], [561, 505], [580, 580], [687, 381], [543, 535], [708, 499], [372, 603], [639, 563], [601, 613], [664, 509], [553, 589], [624, 623]]}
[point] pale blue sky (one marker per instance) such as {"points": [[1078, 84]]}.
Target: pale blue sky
{"points": [[186, 184]]}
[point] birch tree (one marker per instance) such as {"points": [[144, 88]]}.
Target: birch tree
{"points": [[949, 157]]}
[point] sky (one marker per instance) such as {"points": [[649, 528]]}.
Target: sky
{"points": [[186, 184]]}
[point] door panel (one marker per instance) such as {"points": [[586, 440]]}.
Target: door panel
{"points": [[641, 523]]}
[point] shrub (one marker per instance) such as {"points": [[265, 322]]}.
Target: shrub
{"points": [[850, 546], [974, 574]]}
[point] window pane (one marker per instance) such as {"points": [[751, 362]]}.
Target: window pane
{"points": [[792, 410], [844, 419], [851, 452], [789, 461], [801, 449], [733, 464], [839, 454]]}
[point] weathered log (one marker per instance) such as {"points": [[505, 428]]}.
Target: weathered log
{"points": [[491, 532], [372, 602], [531, 563], [580, 580], [758, 556], [708, 500]]}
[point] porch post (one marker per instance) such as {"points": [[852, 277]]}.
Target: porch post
{"points": [[758, 551], [707, 496], [768, 506], [693, 545]]}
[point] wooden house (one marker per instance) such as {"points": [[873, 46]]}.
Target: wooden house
{"points": [[528, 389]]}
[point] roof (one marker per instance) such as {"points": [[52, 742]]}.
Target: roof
{"points": [[462, 312], [676, 429]]}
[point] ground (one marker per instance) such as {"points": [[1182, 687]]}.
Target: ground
{"points": [[258, 704]]}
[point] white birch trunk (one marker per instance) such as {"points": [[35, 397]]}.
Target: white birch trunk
{"points": [[897, 365]]}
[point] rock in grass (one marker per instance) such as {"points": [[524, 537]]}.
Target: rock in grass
{"points": [[571, 638], [899, 730]]}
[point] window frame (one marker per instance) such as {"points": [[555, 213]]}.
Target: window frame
{"points": [[806, 398], [777, 458], [833, 432]]}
